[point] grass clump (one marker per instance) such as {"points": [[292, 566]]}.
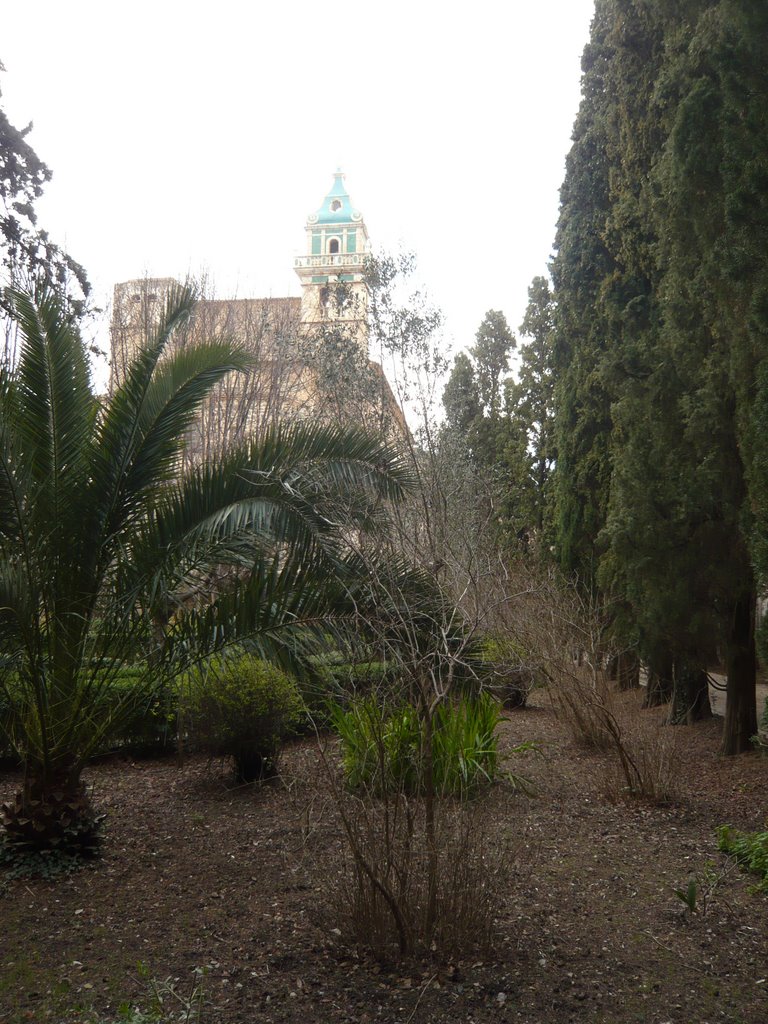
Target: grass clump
{"points": [[383, 749], [750, 850]]}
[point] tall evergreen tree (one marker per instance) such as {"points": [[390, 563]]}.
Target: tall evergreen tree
{"points": [[479, 416], [662, 300], [461, 399], [582, 263], [712, 218], [493, 343], [26, 251], [530, 397]]}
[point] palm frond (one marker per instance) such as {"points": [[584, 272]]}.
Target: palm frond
{"points": [[55, 406], [282, 609], [52, 420], [334, 458], [119, 430], [275, 492], [157, 436]]}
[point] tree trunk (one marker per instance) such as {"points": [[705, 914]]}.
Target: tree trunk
{"points": [[659, 689], [628, 670], [430, 916], [52, 812], [740, 711], [690, 695]]}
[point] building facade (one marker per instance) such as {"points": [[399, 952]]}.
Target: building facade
{"points": [[310, 354]]}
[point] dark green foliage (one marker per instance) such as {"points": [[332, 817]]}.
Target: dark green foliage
{"points": [[689, 895], [142, 715], [503, 427], [494, 342], [749, 848], [23, 862], [529, 453], [473, 393], [27, 253], [149, 724], [583, 262], [383, 747], [243, 708], [332, 680], [461, 398], [660, 279]]}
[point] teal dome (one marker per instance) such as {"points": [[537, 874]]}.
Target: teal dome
{"points": [[336, 208]]}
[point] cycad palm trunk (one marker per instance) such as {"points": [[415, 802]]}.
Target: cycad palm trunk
{"points": [[52, 811]]}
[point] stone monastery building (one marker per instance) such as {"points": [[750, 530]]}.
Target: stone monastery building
{"points": [[310, 353]]}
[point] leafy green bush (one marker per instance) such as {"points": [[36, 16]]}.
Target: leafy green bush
{"points": [[750, 850], [504, 670], [379, 749], [383, 750], [150, 723], [244, 708]]}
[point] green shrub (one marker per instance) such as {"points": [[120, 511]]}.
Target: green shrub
{"points": [[504, 670], [382, 750], [750, 850], [379, 749], [465, 744], [244, 708]]}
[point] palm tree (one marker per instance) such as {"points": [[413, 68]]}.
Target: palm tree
{"points": [[108, 554]]}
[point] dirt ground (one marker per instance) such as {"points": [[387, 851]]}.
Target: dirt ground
{"points": [[233, 882]]}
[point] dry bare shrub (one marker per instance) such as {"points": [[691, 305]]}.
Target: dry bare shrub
{"points": [[647, 762], [584, 706], [561, 640], [383, 893], [564, 634]]}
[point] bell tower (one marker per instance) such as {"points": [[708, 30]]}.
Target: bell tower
{"points": [[333, 287]]}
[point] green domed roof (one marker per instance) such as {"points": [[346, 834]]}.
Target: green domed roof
{"points": [[336, 208]]}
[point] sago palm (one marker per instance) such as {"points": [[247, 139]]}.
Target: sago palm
{"points": [[108, 554]]}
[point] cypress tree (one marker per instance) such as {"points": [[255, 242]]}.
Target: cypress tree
{"points": [[662, 296]]}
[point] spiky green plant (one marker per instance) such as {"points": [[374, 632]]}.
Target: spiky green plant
{"points": [[106, 551], [750, 849], [382, 748]]}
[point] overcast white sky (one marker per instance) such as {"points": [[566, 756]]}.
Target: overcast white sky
{"points": [[186, 136]]}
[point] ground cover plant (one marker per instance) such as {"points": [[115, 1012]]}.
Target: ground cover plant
{"points": [[750, 850], [243, 889]]}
